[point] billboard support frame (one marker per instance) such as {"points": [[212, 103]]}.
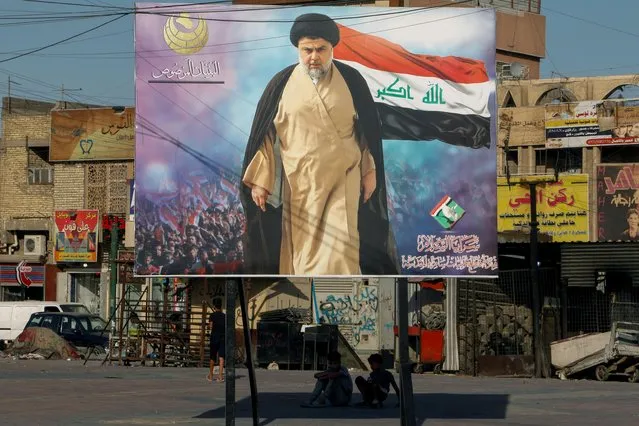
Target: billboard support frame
{"points": [[113, 277], [407, 403], [249, 356], [229, 367]]}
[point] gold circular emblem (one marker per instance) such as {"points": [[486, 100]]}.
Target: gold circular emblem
{"points": [[185, 35]]}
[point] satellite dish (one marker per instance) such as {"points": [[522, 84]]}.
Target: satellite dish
{"points": [[517, 70]]}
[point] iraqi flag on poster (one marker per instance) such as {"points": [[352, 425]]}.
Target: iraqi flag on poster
{"points": [[421, 97]]}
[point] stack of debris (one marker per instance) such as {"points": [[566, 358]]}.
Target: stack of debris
{"points": [[293, 315], [501, 330], [433, 317], [41, 343]]}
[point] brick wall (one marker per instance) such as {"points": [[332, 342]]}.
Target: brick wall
{"points": [[23, 121], [69, 184], [19, 127], [17, 197]]}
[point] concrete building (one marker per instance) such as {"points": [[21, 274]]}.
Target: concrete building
{"points": [[522, 147], [579, 139], [32, 188]]}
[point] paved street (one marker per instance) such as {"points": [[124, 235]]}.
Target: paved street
{"points": [[68, 393]]}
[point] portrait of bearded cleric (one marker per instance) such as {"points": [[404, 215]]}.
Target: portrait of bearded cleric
{"points": [[313, 185]]}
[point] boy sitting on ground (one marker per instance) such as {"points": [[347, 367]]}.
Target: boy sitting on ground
{"points": [[334, 387], [375, 390]]}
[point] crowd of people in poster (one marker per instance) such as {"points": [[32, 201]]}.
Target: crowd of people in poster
{"points": [[318, 157]]}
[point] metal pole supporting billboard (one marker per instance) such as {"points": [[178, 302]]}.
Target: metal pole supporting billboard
{"points": [[407, 409], [249, 356], [231, 293]]}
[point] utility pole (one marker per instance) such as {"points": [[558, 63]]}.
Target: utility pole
{"points": [[9, 93], [62, 90], [541, 359], [534, 278]]}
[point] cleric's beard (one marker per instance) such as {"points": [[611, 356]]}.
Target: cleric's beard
{"points": [[317, 74]]}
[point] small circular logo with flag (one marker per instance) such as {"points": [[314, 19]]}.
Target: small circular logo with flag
{"points": [[185, 35]]}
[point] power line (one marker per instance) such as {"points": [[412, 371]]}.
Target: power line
{"points": [[406, 12], [71, 42], [148, 11], [598, 24], [129, 52], [606, 68], [108, 54], [63, 40]]}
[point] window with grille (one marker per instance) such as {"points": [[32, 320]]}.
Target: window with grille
{"points": [[39, 171]]}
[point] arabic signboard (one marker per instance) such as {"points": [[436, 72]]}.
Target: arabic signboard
{"points": [[590, 123], [76, 233], [562, 207], [92, 134], [22, 274], [521, 126], [423, 191], [618, 202]]}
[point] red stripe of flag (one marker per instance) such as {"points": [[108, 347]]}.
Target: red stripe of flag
{"points": [[380, 54]]}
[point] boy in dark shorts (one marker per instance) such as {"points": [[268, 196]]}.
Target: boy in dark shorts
{"points": [[334, 387], [217, 325], [375, 390]]}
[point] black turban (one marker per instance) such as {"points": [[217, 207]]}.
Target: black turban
{"points": [[314, 25]]}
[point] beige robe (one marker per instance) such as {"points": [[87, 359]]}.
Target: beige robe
{"points": [[323, 166]]}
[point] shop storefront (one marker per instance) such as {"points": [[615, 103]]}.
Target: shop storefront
{"points": [[84, 287], [33, 277]]}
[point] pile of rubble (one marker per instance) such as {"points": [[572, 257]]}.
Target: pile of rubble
{"points": [[40, 343]]}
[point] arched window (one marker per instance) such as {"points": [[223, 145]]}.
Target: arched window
{"points": [[625, 91], [509, 102], [556, 96]]}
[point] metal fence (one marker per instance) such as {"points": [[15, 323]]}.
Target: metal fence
{"points": [[593, 310], [495, 319]]}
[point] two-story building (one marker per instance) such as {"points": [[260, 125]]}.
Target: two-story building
{"points": [[581, 137]]}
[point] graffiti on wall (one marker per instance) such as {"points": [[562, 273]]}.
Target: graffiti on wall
{"points": [[355, 314]]}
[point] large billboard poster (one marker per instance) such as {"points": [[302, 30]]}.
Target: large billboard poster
{"points": [[315, 141], [618, 202]]}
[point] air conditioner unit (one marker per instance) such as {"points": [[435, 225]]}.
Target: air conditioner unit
{"points": [[35, 245]]}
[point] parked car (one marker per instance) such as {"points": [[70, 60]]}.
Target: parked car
{"points": [[81, 329], [14, 315]]}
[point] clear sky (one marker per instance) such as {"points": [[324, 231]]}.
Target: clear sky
{"points": [[584, 38]]}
